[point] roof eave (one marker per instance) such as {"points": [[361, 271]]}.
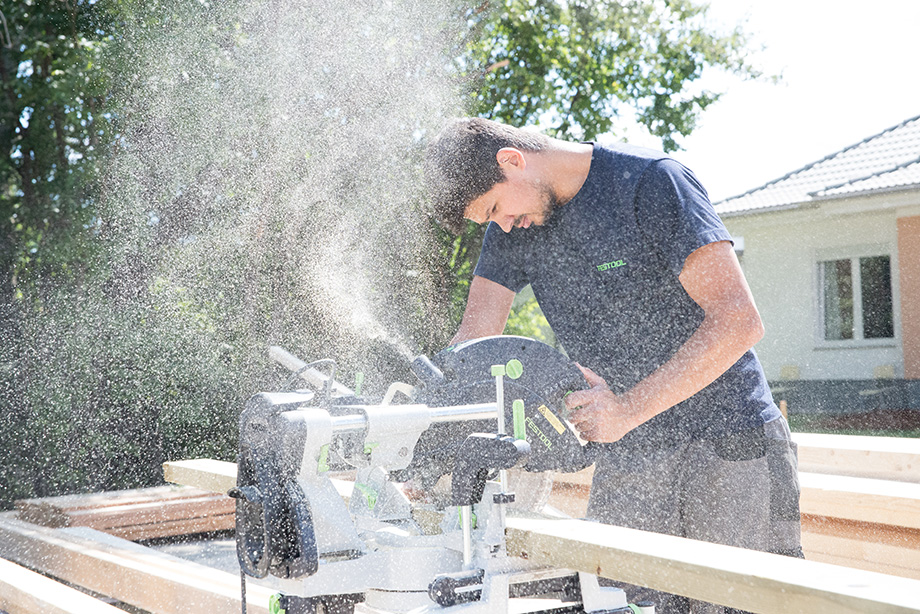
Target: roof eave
{"points": [[823, 198], [769, 209]]}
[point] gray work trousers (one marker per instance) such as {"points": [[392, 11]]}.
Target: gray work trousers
{"points": [[741, 490]]}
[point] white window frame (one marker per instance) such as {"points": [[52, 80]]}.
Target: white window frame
{"points": [[853, 254]]}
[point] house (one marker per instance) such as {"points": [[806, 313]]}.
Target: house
{"points": [[832, 254]]}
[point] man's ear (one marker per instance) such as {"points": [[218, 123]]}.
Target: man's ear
{"points": [[510, 157]]}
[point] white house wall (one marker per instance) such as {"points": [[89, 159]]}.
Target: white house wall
{"points": [[781, 250]]}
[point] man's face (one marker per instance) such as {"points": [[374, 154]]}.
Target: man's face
{"points": [[516, 202]]}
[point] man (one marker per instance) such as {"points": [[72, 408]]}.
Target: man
{"points": [[636, 275]]}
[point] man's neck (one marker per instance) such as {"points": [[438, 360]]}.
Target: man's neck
{"points": [[565, 167]]}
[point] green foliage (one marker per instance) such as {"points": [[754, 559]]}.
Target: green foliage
{"points": [[54, 114], [527, 320], [107, 396], [578, 67], [55, 117]]}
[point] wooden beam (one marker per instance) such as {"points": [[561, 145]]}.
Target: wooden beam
{"points": [[862, 545], [852, 498], [861, 499], [142, 577], [885, 458], [734, 577], [135, 514], [53, 511], [204, 473], [23, 591], [220, 476]]}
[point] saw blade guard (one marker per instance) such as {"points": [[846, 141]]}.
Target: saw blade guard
{"points": [[536, 373]]}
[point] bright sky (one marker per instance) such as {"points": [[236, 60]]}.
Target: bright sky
{"points": [[849, 71]]}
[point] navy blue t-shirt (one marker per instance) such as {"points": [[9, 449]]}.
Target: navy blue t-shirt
{"points": [[604, 269]]}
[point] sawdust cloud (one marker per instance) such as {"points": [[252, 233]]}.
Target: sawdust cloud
{"points": [[270, 171], [264, 189]]}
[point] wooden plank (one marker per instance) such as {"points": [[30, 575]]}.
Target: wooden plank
{"points": [[54, 511], [135, 514], [23, 591], [186, 526], [571, 499], [744, 579], [220, 476], [145, 578], [863, 545], [862, 499], [854, 498], [900, 537], [885, 458], [204, 473], [151, 512]]}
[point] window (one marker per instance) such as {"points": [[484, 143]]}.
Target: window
{"points": [[856, 298]]}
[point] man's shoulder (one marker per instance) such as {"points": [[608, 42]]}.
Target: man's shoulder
{"points": [[619, 149]]}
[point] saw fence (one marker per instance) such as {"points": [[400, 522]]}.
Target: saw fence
{"points": [[861, 535]]}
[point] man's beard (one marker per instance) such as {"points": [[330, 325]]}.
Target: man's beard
{"points": [[548, 205]]}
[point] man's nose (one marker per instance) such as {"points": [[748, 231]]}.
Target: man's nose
{"points": [[505, 222]]}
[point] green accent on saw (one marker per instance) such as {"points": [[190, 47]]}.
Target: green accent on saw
{"points": [[514, 368], [517, 416], [323, 465], [498, 370], [359, 381], [369, 447], [369, 494], [635, 608], [274, 604], [473, 519]]}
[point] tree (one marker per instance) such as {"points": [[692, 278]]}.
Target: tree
{"points": [[584, 68], [54, 118], [53, 115]]}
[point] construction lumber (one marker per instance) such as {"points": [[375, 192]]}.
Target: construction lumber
{"points": [[220, 476], [862, 545], [754, 581], [134, 514], [203, 473], [125, 571], [885, 458], [861, 499], [852, 498], [23, 591]]}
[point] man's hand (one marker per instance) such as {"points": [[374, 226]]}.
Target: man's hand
{"points": [[597, 413]]}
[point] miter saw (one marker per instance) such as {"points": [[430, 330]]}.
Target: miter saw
{"points": [[479, 409]]}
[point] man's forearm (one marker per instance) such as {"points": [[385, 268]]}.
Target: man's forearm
{"points": [[487, 310], [719, 342]]}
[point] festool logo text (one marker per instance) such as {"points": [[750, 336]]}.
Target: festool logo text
{"points": [[611, 265], [539, 434]]}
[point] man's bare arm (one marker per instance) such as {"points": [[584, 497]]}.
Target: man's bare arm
{"points": [[487, 310], [731, 326]]}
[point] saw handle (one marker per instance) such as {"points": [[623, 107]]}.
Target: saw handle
{"points": [[479, 454]]}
